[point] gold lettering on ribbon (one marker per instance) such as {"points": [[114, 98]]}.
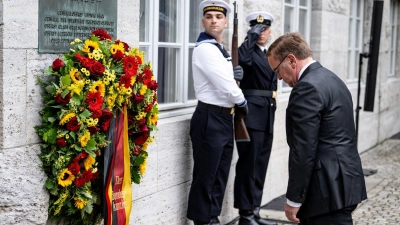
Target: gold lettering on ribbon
{"points": [[116, 196]]}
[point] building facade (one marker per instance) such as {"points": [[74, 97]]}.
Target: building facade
{"points": [[337, 30]]}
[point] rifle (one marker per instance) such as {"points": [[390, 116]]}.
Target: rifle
{"points": [[241, 134]]}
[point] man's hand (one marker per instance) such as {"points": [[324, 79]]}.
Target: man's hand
{"points": [[241, 112], [291, 213], [238, 73], [258, 28]]}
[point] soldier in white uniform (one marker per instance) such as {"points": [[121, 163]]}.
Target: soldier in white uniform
{"points": [[211, 127]]}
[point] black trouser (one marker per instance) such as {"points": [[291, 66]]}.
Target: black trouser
{"points": [[338, 217], [212, 139], [251, 169]]}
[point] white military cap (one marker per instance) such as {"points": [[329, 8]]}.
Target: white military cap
{"points": [[259, 18], [215, 5]]}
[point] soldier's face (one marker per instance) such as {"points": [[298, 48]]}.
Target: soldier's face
{"points": [[214, 22], [264, 36]]}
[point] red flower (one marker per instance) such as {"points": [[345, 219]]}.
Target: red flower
{"points": [[94, 100], [57, 64], [148, 107], [105, 119], [131, 64], [118, 56], [95, 175], [102, 34], [96, 113], [61, 142], [130, 120], [73, 124], [60, 100], [147, 76], [86, 62], [93, 130], [136, 151], [137, 98], [126, 80], [141, 139], [144, 128], [153, 85], [141, 122], [96, 69], [74, 168], [83, 178]]}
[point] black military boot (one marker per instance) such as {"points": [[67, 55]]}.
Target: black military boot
{"points": [[247, 218], [260, 220]]}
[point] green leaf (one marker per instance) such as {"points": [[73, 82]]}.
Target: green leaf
{"points": [[91, 145], [50, 136], [51, 119], [73, 135], [49, 184], [89, 207], [64, 93], [50, 89], [85, 114], [78, 148], [66, 80], [76, 99]]}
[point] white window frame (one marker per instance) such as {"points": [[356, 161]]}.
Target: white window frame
{"points": [[182, 43], [294, 21], [354, 50], [394, 17]]}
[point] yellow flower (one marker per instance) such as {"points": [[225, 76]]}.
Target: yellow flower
{"points": [[153, 119], [79, 203], [84, 138], [89, 161], [90, 46], [98, 86], [77, 40], [114, 48], [66, 177], [111, 101], [66, 118], [77, 87], [142, 168], [143, 90], [75, 75], [133, 80]]}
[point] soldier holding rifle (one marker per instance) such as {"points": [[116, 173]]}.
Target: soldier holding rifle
{"points": [[211, 126], [259, 86]]}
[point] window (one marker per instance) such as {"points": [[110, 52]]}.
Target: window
{"points": [[355, 46], [394, 10], [296, 18], [168, 33]]}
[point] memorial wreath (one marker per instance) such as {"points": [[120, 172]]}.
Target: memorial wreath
{"points": [[83, 92]]}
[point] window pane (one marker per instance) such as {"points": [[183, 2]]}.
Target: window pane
{"points": [[168, 64], [302, 22], [289, 1], [303, 2], [358, 28], [191, 95], [146, 53], [350, 33], [168, 21], [359, 8], [195, 26], [288, 19], [144, 21]]}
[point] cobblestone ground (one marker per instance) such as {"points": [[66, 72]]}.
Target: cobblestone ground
{"points": [[383, 203]]}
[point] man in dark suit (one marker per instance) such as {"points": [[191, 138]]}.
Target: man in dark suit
{"points": [[326, 180], [259, 87]]}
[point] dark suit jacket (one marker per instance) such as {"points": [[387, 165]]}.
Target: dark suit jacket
{"points": [[325, 172], [257, 75]]}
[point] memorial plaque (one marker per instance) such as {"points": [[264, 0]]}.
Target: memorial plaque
{"points": [[61, 21]]}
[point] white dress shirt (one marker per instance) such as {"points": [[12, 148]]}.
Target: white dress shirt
{"points": [[213, 77]]}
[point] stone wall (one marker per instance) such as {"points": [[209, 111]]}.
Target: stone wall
{"points": [[161, 198]]}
